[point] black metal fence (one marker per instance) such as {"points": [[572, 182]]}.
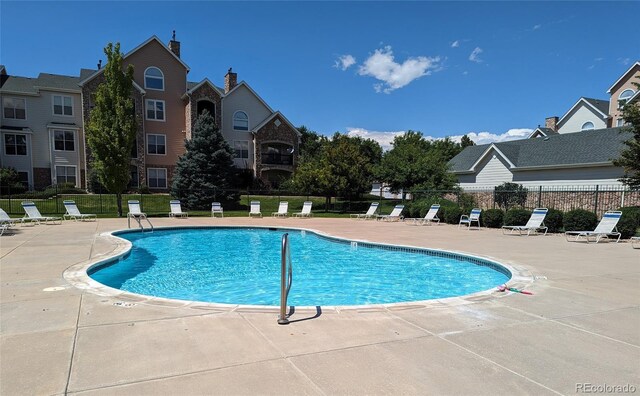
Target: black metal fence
{"points": [[597, 199]]}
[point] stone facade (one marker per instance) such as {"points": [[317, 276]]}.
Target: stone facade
{"points": [[41, 178], [204, 92], [230, 81], [88, 91], [275, 131]]}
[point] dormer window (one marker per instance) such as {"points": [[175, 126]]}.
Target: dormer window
{"points": [[154, 79], [587, 125], [240, 121]]}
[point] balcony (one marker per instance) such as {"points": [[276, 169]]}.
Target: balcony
{"points": [[277, 159]]}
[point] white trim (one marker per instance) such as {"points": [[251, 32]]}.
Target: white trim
{"points": [[144, 77], [53, 141], [538, 131], [272, 116], [4, 145], [623, 76], [233, 121], [166, 181], [563, 166], [206, 81], [53, 106], [27, 131], [25, 108], [5, 92], [593, 126], [487, 151], [164, 110], [244, 84], [147, 143], [125, 56], [55, 172], [582, 100], [69, 127]]}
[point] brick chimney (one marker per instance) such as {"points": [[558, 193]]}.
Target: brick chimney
{"points": [[551, 123], [174, 46], [230, 81]]}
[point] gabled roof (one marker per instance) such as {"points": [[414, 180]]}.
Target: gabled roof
{"points": [[125, 56], [57, 81], [192, 86], [593, 147], [623, 76], [244, 84], [542, 132], [595, 105], [271, 117], [19, 85]]}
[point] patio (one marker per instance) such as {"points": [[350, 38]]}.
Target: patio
{"points": [[580, 328]]}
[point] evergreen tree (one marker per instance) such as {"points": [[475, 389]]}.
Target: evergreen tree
{"points": [[466, 142], [205, 172], [111, 132], [630, 157]]}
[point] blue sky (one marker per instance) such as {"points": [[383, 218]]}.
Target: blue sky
{"points": [[490, 69]]}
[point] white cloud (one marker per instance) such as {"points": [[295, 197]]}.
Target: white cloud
{"points": [[382, 66], [385, 139], [624, 61], [488, 137], [455, 44], [464, 73], [536, 27], [475, 55], [344, 62]]}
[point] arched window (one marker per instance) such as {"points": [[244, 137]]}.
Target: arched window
{"points": [[587, 125], [240, 121], [153, 79], [626, 94]]}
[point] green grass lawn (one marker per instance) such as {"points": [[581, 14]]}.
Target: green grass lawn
{"points": [[157, 205]]}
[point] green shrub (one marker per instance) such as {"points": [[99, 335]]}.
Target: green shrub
{"points": [[492, 218], [466, 202], [517, 217], [579, 220], [554, 220], [450, 214], [507, 195], [629, 222]]}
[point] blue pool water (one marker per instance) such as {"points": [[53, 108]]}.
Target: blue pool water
{"points": [[242, 266]]}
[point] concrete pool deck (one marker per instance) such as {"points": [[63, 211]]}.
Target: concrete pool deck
{"points": [[579, 331]]}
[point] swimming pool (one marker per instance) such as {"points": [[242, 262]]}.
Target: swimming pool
{"points": [[241, 265]]}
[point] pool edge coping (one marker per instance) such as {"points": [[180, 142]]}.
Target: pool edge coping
{"points": [[77, 275]]}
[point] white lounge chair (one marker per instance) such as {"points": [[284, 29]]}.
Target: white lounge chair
{"points": [[468, 220], [306, 210], [430, 217], [3, 228], [74, 213], [371, 213], [176, 209], [216, 208], [635, 241], [283, 210], [535, 223], [136, 213], [395, 215], [33, 214], [6, 220], [606, 228], [255, 209]]}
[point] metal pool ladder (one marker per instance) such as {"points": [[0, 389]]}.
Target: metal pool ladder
{"points": [[286, 278]]}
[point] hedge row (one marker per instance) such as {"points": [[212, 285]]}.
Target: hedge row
{"points": [[556, 220]]}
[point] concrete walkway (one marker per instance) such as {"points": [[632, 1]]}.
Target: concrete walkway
{"points": [[580, 329]]}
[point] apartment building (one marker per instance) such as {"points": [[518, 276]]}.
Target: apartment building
{"points": [[44, 119]]}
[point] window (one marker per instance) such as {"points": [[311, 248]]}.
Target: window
{"points": [[155, 110], [154, 79], [63, 140], [620, 122], [62, 105], [587, 125], [156, 144], [23, 178], [240, 121], [15, 144], [14, 108], [133, 183], [66, 174], [242, 149], [624, 96], [157, 177]]}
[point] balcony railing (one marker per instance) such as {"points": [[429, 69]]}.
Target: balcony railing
{"points": [[277, 159]]}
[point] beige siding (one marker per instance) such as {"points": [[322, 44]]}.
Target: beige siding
{"points": [[580, 115], [175, 85], [618, 89]]}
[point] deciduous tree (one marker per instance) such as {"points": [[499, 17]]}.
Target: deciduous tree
{"points": [[630, 158], [111, 131]]}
